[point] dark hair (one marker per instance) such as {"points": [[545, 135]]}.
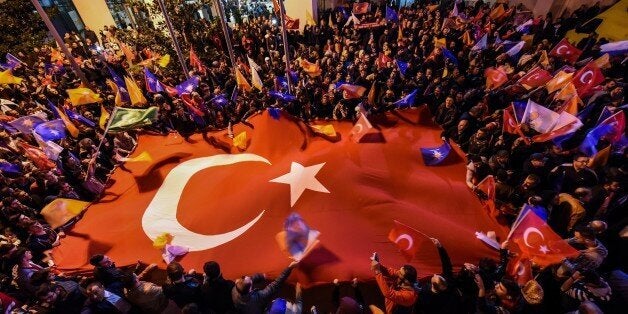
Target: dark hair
{"points": [[212, 270], [410, 273], [174, 270], [128, 280], [96, 259], [190, 308], [511, 286], [586, 232], [40, 277], [579, 155], [42, 291]]}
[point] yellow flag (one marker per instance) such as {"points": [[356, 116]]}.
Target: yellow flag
{"points": [[603, 62], [163, 61], [440, 42], [161, 240], [128, 53], [239, 140], [529, 38], [497, 12], [6, 77], [309, 20], [572, 105], [82, 96], [135, 93], [601, 158], [445, 72], [327, 129], [104, 116], [143, 156], [62, 210], [241, 81], [567, 92], [400, 33], [544, 60], [558, 81], [55, 55], [372, 97]]}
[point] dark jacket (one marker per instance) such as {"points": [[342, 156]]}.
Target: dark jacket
{"points": [[255, 301], [217, 295]]}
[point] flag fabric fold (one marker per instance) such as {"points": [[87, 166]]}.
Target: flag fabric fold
{"points": [[361, 128], [297, 239], [124, 119], [566, 51], [51, 130], [83, 96]]}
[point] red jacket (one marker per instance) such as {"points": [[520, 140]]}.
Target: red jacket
{"points": [[404, 296]]}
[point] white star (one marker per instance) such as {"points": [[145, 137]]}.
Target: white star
{"points": [[300, 178], [436, 154], [54, 132], [544, 249]]}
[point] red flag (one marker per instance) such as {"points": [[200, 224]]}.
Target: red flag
{"points": [[37, 156], [382, 61], [520, 270], [538, 242], [406, 239], [565, 50], [195, 62], [587, 77], [495, 77], [510, 124], [487, 186], [535, 78], [361, 128], [291, 23], [361, 8]]}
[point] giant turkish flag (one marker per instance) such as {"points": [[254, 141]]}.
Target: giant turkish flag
{"points": [[224, 207]]}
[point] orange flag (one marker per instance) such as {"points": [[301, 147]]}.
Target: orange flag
{"points": [[567, 92], [559, 81], [571, 105], [74, 131], [241, 81]]}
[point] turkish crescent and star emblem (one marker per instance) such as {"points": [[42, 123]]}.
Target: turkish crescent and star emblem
{"points": [[161, 214], [531, 230]]}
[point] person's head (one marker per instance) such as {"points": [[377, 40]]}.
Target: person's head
{"points": [[41, 277], [598, 226], [407, 275], [130, 280], [506, 289], [46, 294], [612, 185], [502, 156], [100, 260], [174, 271], [537, 160], [22, 255], [212, 270], [583, 194], [438, 283], [531, 181], [190, 308], [585, 235], [580, 161], [95, 291], [243, 285]]}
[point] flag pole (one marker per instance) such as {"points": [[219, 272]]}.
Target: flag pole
{"points": [[175, 42], [53, 31], [225, 30], [286, 50]]}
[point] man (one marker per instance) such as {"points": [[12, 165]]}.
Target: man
{"points": [[146, 296], [216, 291], [602, 195], [400, 296], [180, 288], [570, 210], [107, 273], [577, 174], [439, 295], [101, 300], [592, 251], [250, 301]]}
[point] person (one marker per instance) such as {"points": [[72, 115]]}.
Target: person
{"points": [[216, 291], [146, 296], [570, 210], [181, 288], [247, 300], [106, 272], [439, 295], [100, 300], [401, 294], [573, 175], [592, 251], [283, 306]]}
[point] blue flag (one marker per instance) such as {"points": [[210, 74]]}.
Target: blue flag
{"points": [[152, 83], [274, 112], [436, 155], [519, 107], [188, 86], [282, 96], [606, 113], [234, 95], [449, 55], [403, 66], [52, 109], [26, 124], [281, 81], [7, 127], [124, 94], [78, 117], [219, 100], [53, 68], [8, 167], [407, 101], [51, 130], [590, 141], [391, 15], [12, 62]]}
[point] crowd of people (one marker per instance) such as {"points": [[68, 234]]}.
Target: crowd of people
{"points": [[582, 200]]}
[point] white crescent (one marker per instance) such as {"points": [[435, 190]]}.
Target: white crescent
{"points": [[358, 128], [585, 75], [161, 214], [527, 233], [561, 47], [408, 238]]}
